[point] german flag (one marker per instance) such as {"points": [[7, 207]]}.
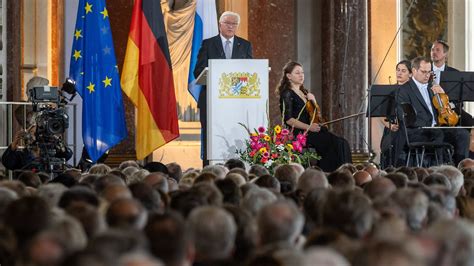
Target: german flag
{"points": [[147, 78]]}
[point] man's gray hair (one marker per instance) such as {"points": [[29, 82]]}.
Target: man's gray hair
{"points": [[454, 175], [257, 198], [229, 14], [279, 222], [415, 205], [213, 231], [323, 256]]}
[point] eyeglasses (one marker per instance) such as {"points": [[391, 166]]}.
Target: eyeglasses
{"points": [[230, 24], [424, 72]]}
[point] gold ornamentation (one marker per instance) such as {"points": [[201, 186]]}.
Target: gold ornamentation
{"points": [[239, 85]]}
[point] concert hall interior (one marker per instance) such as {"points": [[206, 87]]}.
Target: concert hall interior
{"points": [[236, 132]]}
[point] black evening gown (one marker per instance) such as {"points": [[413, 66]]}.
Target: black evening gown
{"points": [[334, 150]]}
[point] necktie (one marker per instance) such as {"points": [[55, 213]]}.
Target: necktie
{"points": [[227, 51]]}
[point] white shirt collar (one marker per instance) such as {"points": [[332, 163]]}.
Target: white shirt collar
{"points": [[435, 68], [223, 39], [420, 85]]}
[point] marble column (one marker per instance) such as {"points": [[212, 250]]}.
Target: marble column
{"points": [[272, 25], [120, 13], [344, 73]]}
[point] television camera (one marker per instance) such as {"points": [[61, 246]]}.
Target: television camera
{"points": [[51, 121]]}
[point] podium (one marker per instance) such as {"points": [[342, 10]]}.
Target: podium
{"points": [[237, 92]]}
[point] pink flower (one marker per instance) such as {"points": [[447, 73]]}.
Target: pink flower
{"points": [[261, 129], [266, 154], [285, 132], [297, 146], [252, 153], [254, 138], [302, 139]]}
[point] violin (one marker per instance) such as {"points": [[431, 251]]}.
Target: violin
{"points": [[313, 109], [446, 116]]}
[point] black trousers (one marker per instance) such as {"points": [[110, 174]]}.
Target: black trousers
{"points": [[202, 105]]}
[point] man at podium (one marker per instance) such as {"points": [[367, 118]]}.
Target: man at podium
{"points": [[226, 45]]}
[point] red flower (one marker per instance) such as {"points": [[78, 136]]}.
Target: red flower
{"points": [[264, 160], [274, 155]]}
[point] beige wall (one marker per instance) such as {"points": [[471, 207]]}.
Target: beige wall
{"points": [[384, 25]]}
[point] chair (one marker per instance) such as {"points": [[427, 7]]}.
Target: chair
{"points": [[420, 149]]}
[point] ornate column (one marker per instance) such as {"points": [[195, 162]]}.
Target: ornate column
{"points": [[273, 36], [120, 13], [344, 63]]}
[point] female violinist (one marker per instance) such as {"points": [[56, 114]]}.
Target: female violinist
{"points": [[294, 98]]}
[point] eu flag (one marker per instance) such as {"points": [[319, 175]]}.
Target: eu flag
{"points": [[94, 68]]}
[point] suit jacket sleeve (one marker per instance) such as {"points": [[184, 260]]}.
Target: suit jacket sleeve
{"points": [[203, 58]]}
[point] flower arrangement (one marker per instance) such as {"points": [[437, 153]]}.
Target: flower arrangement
{"points": [[274, 146]]}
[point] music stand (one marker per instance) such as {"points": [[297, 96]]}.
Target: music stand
{"points": [[382, 103], [459, 86]]}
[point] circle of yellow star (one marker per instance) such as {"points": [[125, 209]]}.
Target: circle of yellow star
{"points": [[77, 54], [91, 87], [107, 82], [78, 34], [88, 7], [105, 13]]}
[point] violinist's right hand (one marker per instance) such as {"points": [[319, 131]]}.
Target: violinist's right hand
{"points": [[437, 89], [315, 127]]}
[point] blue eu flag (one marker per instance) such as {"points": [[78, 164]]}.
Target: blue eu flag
{"points": [[94, 68]]}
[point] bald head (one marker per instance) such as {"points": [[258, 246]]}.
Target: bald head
{"points": [[361, 177]]}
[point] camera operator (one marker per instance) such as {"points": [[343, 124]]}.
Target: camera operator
{"points": [[28, 157], [43, 146]]}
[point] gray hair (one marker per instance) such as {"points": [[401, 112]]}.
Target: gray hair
{"points": [[138, 258], [454, 175], [229, 14], [457, 239], [51, 193], [415, 205], [218, 170], [311, 179], [256, 198], [213, 231], [280, 221], [323, 256]]}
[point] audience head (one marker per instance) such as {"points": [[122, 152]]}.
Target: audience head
{"points": [[100, 169], [169, 238], [126, 214], [154, 167], [174, 171], [258, 170], [312, 179], [455, 177], [234, 163], [349, 212], [279, 222], [341, 180], [379, 188], [361, 177], [269, 182], [213, 231]]}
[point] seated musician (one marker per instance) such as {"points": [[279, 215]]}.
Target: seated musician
{"points": [[334, 150], [392, 141], [419, 93]]}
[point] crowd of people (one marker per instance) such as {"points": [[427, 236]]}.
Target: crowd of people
{"points": [[233, 214]]}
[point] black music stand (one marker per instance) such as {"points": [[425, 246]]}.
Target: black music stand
{"points": [[459, 86], [383, 104]]}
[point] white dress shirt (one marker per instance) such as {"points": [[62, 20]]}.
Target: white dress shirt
{"points": [[437, 72], [423, 88], [224, 40]]}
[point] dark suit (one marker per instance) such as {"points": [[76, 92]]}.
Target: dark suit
{"points": [[212, 49], [459, 138]]}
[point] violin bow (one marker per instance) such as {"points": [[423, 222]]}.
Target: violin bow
{"points": [[342, 118]]}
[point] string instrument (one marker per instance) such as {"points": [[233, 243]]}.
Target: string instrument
{"points": [[313, 109], [446, 116]]}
